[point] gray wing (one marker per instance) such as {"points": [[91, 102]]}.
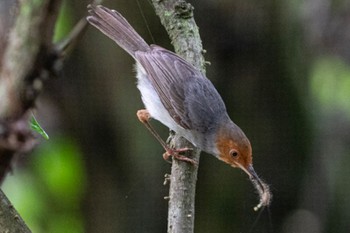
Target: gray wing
{"points": [[190, 98]]}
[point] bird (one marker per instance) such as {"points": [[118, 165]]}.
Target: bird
{"points": [[181, 97]]}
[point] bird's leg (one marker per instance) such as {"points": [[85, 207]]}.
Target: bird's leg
{"points": [[144, 116]]}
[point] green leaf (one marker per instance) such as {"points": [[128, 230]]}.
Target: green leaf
{"points": [[34, 125]]}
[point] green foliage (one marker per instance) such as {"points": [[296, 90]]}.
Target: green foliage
{"points": [[48, 191], [34, 125], [60, 168], [330, 84], [64, 23]]}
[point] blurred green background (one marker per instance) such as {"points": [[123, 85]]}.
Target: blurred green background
{"points": [[282, 68]]}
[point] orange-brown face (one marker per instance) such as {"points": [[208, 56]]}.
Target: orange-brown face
{"points": [[235, 149], [237, 154]]}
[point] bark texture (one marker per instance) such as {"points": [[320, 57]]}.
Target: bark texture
{"points": [[177, 18], [27, 61], [10, 221], [27, 57]]}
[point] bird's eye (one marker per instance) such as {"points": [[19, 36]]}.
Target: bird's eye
{"points": [[234, 153]]}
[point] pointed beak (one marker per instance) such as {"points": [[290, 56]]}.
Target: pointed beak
{"points": [[263, 189]]}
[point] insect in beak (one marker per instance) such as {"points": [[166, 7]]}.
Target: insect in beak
{"points": [[263, 189]]}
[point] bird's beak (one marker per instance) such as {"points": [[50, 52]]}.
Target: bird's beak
{"points": [[263, 189]]}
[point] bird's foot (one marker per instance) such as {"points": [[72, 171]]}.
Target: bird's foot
{"points": [[175, 153], [144, 116]]}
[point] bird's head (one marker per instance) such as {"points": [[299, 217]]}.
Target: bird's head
{"points": [[234, 148]]}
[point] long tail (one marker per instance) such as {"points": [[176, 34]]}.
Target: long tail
{"points": [[115, 26]]}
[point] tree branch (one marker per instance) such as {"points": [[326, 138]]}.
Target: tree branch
{"points": [[10, 221], [26, 56], [26, 63], [28, 60], [177, 18]]}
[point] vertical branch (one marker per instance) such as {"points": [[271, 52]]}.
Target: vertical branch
{"points": [[182, 191], [177, 18], [26, 63], [26, 53]]}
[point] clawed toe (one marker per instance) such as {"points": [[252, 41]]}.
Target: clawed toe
{"points": [[181, 150], [175, 154]]}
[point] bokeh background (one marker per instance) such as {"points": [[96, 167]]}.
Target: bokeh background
{"points": [[282, 68]]}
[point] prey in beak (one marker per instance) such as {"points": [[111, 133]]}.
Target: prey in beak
{"points": [[260, 186]]}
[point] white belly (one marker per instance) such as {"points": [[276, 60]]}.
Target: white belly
{"points": [[152, 102]]}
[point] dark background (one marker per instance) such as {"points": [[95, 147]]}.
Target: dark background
{"points": [[282, 68]]}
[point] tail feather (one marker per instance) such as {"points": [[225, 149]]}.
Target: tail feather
{"points": [[115, 26]]}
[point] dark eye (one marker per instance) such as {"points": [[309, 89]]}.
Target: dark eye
{"points": [[234, 153]]}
